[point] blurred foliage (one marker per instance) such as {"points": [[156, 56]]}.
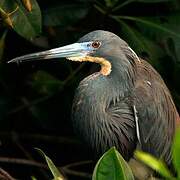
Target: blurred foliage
{"points": [[36, 97], [158, 165]]}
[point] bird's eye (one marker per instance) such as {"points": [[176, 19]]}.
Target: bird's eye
{"points": [[96, 44]]}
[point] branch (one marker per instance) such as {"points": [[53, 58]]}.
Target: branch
{"points": [[5, 176], [22, 161], [66, 169]]}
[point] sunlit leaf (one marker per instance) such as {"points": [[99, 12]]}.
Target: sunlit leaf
{"points": [[56, 173], [112, 166], [25, 23], [176, 152], [64, 14], [154, 163]]}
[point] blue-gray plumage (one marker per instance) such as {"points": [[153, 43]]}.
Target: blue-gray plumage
{"points": [[126, 104]]}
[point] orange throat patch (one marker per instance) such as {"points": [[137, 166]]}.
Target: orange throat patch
{"points": [[105, 64]]}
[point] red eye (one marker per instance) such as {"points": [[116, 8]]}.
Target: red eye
{"points": [[96, 44]]}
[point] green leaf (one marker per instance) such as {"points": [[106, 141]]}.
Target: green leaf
{"points": [[153, 163], [26, 24], [45, 83], [112, 166], [176, 151], [64, 15], [56, 173]]}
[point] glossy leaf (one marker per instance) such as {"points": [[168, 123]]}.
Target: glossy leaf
{"points": [[25, 23], [176, 151], [112, 166], [153, 163], [56, 173], [63, 15]]}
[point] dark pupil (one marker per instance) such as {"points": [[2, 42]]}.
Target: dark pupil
{"points": [[95, 44]]}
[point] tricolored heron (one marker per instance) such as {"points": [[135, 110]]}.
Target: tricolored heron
{"points": [[126, 104]]}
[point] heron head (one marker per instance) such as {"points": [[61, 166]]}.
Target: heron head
{"points": [[98, 46]]}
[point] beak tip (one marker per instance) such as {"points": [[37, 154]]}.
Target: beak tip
{"points": [[12, 61]]}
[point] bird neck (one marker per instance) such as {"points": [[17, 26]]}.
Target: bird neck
{"points": [[123, 75]]}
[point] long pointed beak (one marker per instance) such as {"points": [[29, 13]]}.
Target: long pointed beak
{"points": [[68, 51]]}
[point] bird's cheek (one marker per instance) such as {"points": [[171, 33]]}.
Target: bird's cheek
{"points": [[78, 59]]}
